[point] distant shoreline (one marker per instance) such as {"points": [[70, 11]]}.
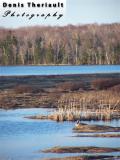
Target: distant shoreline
{"points": [[63, 75]]}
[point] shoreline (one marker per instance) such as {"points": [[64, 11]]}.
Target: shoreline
{"points": [[91, 149], [65, 75], [89, 157], [103, 75]]}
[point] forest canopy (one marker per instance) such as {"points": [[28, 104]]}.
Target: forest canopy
{"points": [[70, 45]]}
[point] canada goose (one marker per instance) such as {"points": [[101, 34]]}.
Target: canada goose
{"points": [[77, 123]]}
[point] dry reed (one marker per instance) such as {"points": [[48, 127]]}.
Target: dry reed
{"points": [[93, 105]]}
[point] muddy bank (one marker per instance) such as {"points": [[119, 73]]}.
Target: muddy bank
{"points": [[81, 150], [99, 157], [53, 117], [100, 135], [85, 128]]}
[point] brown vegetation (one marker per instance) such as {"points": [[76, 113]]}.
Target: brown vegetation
{"points": [[81, 150], [26, 89], [70, 86], [22, 89], [115, 88], [104, 83], [71, 94], [92, 105]]}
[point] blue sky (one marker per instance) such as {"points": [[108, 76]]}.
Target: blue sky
{"points": [[93, 11], [77, 12]]}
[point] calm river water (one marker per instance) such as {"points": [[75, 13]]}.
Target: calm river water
{"points": [[23, 139], [57, 70]]}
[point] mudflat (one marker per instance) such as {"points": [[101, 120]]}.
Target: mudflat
{"points": [[81, 150], [100, 135], [98, 157], [85, 128]]}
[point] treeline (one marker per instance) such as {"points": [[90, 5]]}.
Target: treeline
{"points": [[85, 44]]}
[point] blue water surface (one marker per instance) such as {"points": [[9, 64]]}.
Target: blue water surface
{"points": [[58, 70], [24, 139]]}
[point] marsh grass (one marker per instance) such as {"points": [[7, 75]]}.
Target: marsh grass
{"points": [[92, 105]]}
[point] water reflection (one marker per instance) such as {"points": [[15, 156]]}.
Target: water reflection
{"points": [[22, 138]]}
